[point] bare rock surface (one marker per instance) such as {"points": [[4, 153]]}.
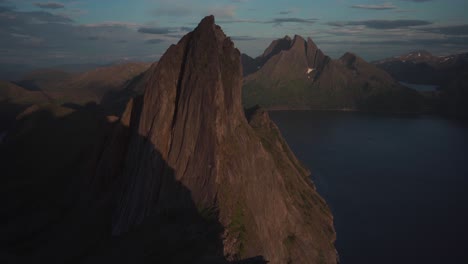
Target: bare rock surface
{"points": [[189, 132]]}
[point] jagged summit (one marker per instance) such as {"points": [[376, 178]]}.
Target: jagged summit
{"points": [[351, 59], [188, 142], [186, 103], [275, 47]]}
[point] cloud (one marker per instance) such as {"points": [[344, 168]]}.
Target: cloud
{"points": [[449, 30], [162, 30], [41, 16], [288, 12], [4, 9], [223, 11], [243, 38], [186, 29], [406, 11], [50, 5], [43, 39], [426, 42], [114, 24], [375, 7], [173, 10], [184, 8], [155, 30], [279, 21], [275, 21], [382, 24], [10, 16], [6, 6], [239, 20], [154, 41], [417, 1]]}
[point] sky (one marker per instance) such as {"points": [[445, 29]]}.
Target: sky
{"points": [[46, 33]]}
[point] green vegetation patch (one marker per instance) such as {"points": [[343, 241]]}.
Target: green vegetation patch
{"points": [[238, 228], [289, 241]]}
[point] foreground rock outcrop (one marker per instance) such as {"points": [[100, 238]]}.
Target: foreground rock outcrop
{"points": [[187, 141]]}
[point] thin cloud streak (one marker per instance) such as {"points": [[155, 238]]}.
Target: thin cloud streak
{"points": [[375, 7]]}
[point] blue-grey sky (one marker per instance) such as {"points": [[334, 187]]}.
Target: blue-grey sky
{"points": [[44, 33]]}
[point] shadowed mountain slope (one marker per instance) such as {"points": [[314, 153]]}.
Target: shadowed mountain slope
{"points": [[15, 99], [81, 88], [449, 73]]}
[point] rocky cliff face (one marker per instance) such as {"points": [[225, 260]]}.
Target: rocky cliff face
{"points": [[301, 76], [187, 141]]}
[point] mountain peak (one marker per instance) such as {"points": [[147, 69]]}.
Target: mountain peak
{"points": [[311, 43], [275, 47], [298, 38], [348, 56], [208, 20], [189, 132]]}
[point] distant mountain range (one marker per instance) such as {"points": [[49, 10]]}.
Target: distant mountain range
{"points": [[421, 67], [14, 72], [449, 73], [89, 86], [60, 91], [296, 74]]}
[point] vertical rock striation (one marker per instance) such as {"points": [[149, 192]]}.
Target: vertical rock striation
{"points": [[189, 131]]}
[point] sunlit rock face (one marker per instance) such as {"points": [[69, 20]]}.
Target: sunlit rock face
{"points": [[188, 142]]}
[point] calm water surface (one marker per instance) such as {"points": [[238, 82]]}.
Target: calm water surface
{"points": [[397, 185], [421, 87]]}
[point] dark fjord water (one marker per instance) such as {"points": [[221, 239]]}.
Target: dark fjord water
{"points": [[397, 185], [421, 87]]}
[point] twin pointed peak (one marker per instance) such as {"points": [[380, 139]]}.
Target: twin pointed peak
{"points": [[296, 38], [288, 38]]}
